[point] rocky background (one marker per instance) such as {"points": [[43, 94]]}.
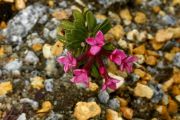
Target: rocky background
{"points": [[34, 87]]}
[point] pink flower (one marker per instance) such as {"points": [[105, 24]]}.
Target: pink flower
{"points": [[127, 63], [96, 43], [80, 76], [68, 61], [117, 56], [110, 83]]}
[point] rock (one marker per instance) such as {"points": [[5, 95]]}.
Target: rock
{"points": [[172, 106], [108, 3], [2, 52], [175, 90], [169, 20], [51, 67], [103, 97], [57, 48], [60, 14], [123, 44], [140, 18], [24, 21], [133, 78], [140, 50], [53, 34], [63, 4], [176, 60], [10, 1], [126, 16], [154, 3], [163, 111], [163, 35], [46, 107], [158, 92], [31, 58], [157, 45], [176, 77], [20, 4], [13, 65], [141, 59], [54, 116], [5, 87], [22, 116], [93, 86], [43, 19], [117, 31], [132, 35], [49, 85], [52, 24], [37, 82], [123, 102], [47, 51], [86, 110], [151, 60], [178, 98], [33, 103], [127, 112], [176, 2], [112, 115], [168, 84], [143, 91], [140, 73], [114, 104], [169, 45]]}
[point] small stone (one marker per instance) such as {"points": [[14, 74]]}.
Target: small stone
{"points": [[169, 20], [176, 2], [37, 82], [157, 45], [60, 14], [172, 106], [176, 59], [127, 112], [49, 85], [140, 50], [2, 52], [117, 31], [47, 51], [5, 87], [33, 103], [168, 84], [143, 91], [103, 97], [86, 110], [169, 56], [37, 47], [51, 67], [114, 104], [46, 107], [112, 115], [31, 58], [132, 35], [57, 48], [22, 116], [93, 86], [141, 59], [13, 65], [140, 18], [156, 9], [20, 4], [125, 14], [53, 34], [123, 44], [175, 90], [123, 102], [140, 72], [3, 25], [151, 60], [176, 77], [163, 111], [163, 35], [178, 98]]}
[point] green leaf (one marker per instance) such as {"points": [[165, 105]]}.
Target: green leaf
{"points": [[104, 27], [91, 20], [67, 25], [79, 34], [94, 71], [79, 20], [109, 46]]}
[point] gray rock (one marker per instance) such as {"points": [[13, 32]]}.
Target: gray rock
{"points": [[52, 24], [46, 33], [103, 97], [33, 103], [24, 21], [176, 60], [169, 20], [63, 4], [49, 85], [169, 45], [31, 58], [108, 3], [54, 116], [43, 19], [53, 33], [22, 116], [13, 65], [158, 92], [154, 3], [114, 104]]}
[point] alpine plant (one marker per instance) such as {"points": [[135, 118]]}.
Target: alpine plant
{"points": [[87, 50]]}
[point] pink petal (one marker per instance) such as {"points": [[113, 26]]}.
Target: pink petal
{"points": [[66, 68], [131, 59], [104, 87], [62, 60], [77, 72], [94, 50], [99, 38], [91, 41]]}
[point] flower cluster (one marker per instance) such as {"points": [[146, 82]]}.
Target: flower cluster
{"points": [[94, 54]]}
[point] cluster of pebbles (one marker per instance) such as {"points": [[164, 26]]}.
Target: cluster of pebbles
{"points": [[34, 87]]}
